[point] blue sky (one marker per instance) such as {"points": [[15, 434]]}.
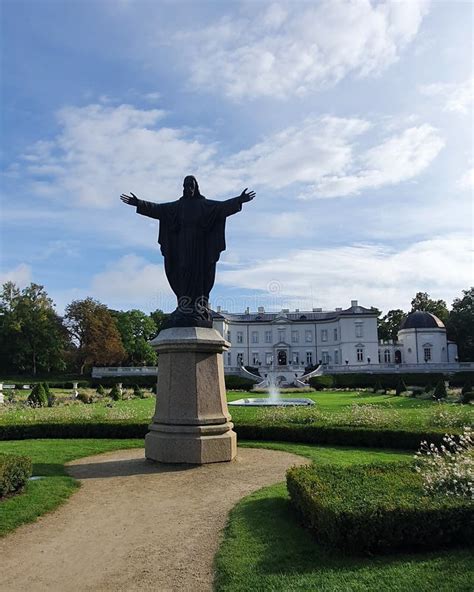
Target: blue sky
{"points": [[352, 121]]}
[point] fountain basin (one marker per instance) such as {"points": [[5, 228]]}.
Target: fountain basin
{"points": [[267, 402]]}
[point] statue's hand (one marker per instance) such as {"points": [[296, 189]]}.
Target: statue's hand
{"points": [[247, 196], [131, 200]]}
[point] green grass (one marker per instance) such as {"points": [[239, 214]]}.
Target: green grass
{"points": [[49, 457], [266, 550]]}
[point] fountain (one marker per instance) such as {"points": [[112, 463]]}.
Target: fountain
{"points": [[271, 382]]}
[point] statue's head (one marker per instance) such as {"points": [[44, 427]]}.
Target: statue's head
{"points": [[190, 187]]}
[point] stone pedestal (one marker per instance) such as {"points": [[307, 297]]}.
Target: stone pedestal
{"points": [[191, 422]]}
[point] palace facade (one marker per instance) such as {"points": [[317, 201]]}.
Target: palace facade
{"points": [[341, 338]]}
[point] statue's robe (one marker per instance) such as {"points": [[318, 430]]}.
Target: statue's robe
{"points": [[191, 237]]}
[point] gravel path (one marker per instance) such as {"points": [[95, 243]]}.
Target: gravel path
{"points": [[136, 525]]}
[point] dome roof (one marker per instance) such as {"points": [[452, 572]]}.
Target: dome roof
{"points": [[420, 319]]}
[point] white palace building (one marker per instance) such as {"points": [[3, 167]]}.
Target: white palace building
{"points": [[287, 346], [341, 340]]}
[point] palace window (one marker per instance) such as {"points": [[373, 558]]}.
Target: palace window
{"points": [[228, 335], [309, 358], [240, 359], [360, 354], [296, 357], [325, 357], [336, 356], [308, 336], [359, 330], [335, 334], [254, 336], [281, 334], [324, 335], [268, 359], [255, 358], [268, 336], [427, 353], [387, 357], [229, 359], [240, 337], [295, 337]]}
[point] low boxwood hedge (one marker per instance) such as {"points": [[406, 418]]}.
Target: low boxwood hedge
{"points": [[15, 470], [238, 382], [367, 380], [377, 508], [308, 434]]}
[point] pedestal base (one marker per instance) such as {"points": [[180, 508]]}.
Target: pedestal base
{"points": [[191, 423], [199, 445]]}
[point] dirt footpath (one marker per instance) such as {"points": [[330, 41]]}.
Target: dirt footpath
{"points": [[136, 525]]}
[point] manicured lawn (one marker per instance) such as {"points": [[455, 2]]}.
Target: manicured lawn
{"points": [[48, 458], [265, 549], [338, 408]]}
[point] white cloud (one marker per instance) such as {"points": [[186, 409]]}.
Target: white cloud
{"points": [[397, 159], [133, 281], [102, 151], [375, 275], [467, 180], [20, 275], [457, 97], [288, 48]]}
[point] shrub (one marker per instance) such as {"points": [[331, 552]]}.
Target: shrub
{"points": [[459, 379], [378, 388], [401, 387], [85, 397], [137, 392], [467, 388], [240, 383], [115, 393], [100, 391], [440, 391], [467, 397], [448, 469], [49, 395], [376, 508], [15, 471], [321, 382], [38, 396]]}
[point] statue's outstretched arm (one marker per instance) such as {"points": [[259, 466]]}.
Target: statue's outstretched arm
{"points": [[246, 195], [146, 208]]}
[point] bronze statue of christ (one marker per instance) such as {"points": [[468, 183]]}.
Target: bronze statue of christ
{"points": [[191, 237]]}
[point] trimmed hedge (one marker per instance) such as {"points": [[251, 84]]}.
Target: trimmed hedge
{"points": [[15, 471], [377, 508], [233, 382], [381, 381], [308, 434]]}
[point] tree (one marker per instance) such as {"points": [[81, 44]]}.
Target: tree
{"points": [[422, 301], [158, 317], [94, 333], [32, 336], [389, 324], [136, 329], [461, 324]]}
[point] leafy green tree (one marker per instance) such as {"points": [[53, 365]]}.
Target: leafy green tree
{"points": [[461, 324], [422, 301], [389, 324], [94, 333], [158, 317], [32, 335], [136, 329]]}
